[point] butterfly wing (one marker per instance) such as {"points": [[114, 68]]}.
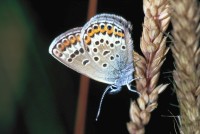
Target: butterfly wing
{"points": [[108, 42], [69, 50], [101, 50]]}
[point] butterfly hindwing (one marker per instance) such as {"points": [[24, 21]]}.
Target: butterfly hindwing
{"points": [[108, 42]]}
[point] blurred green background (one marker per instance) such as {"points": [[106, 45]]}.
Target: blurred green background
{"points": [[27, 103]]}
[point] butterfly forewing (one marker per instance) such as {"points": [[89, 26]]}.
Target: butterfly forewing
{"points": [[68, 49]]}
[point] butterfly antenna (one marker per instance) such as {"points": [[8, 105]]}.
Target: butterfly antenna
{"points": [[102, 97]]}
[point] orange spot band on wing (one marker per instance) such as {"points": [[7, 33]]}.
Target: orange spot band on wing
{"points": [[66, 43], [96, 29], [90, 32], [78, 38], [102, 30], [72, 40], [61, 46], [120, 34], [109, 30], [87, 40]]}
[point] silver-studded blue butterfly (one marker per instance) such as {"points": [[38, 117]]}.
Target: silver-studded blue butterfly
{"points": [[102, 50]]}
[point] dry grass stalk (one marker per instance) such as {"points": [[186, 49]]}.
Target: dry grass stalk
{"points": [[186, 52], [153, 46]]}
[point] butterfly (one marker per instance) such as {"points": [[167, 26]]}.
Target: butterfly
{"points": [[102, 50]]}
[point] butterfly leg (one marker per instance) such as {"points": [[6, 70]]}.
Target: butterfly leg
{"points": [[132, 89]]}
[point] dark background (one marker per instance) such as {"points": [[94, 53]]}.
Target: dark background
{"points": [[38, 94]]}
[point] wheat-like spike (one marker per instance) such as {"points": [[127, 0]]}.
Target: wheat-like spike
{"points": [[186, 53], [147, 68]]}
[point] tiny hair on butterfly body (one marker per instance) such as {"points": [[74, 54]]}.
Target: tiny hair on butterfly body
{"points": [[101, 50]]}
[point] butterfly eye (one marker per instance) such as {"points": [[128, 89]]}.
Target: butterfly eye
{"points": [[90, 32]]}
